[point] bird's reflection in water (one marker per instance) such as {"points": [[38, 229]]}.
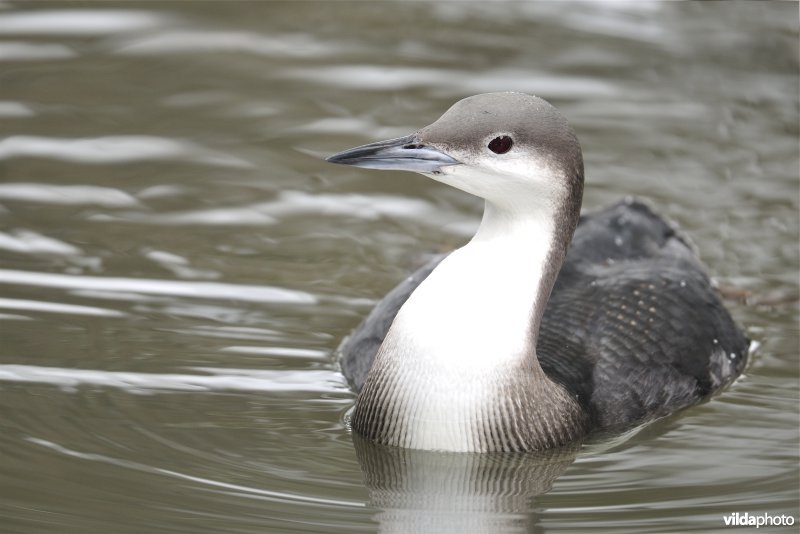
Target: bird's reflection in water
{"points": [[424, 491]]}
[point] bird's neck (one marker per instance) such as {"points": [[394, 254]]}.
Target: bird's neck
{"points": [[458, 368]]}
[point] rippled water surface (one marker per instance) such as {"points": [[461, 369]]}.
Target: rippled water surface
{"points": [[178, 264]]}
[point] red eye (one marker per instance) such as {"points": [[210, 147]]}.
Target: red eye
{"points": [[500, 145]]}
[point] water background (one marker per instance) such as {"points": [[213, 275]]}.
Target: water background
{"points": [[178, 264]]}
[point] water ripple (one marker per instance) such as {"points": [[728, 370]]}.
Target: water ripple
{"points": [[278, 496], [10, 108], [382, 77], [316, 381], [176, 288], [66, 194], [298, 204], [58, 307], [22, 51], [78, 22], [286, 352], [113, 149], [194, 42], [29, 242]]}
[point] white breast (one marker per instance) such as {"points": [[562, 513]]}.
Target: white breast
{"points": [[458, 338]]}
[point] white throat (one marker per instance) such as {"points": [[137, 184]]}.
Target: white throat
{"points": [[458, 366], [474, 312]]}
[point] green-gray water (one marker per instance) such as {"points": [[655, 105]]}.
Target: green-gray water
{"points": [[178, 263]]}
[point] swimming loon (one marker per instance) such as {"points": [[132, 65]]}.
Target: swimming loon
{"points": [[529, 337]]}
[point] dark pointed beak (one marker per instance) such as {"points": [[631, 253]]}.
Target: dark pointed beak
{"points": [[403, 153]]}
